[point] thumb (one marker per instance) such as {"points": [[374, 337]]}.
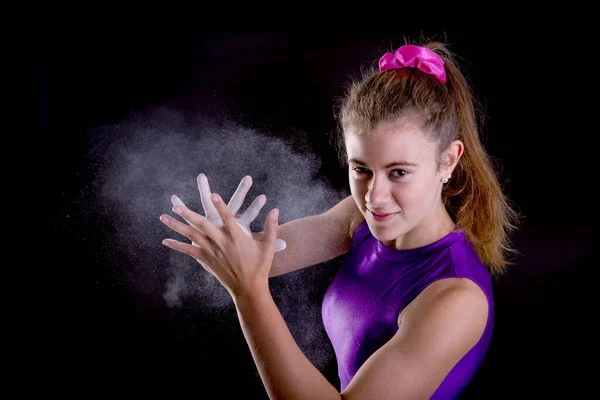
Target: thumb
{"points": [[271, 226]]}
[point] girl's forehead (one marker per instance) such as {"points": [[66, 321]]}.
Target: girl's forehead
{"points": [[385, 145]]}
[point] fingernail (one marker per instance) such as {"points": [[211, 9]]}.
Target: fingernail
{"points": [[214, 197]]}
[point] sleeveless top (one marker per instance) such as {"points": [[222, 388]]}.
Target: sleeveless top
{"points": [[361, 306]]}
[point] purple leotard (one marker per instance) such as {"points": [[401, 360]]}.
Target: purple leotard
{"points": [[374, 283]]}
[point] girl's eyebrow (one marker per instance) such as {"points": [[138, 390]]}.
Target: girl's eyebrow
{"points": [[392, 164]]}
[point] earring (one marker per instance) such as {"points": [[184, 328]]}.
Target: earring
{"points": [[446, 178]]}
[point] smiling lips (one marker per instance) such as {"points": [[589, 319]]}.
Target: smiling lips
{"points": [[381, 217]]}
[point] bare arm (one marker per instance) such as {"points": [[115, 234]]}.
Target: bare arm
{"points": [[317, 238], [285, 371], [438, 328]]}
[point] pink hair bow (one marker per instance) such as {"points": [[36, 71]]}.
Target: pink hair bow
{"points": [[414, 57]]}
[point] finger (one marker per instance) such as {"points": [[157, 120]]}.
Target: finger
{"points": [[238, 197], [190, 232], [207, 205], [176, 201], [228, 219], [271, 225], [192, 251], [210, 229], [280, 244], [253, 210]]}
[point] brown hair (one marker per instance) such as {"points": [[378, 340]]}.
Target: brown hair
{"points": [[473, 197]]}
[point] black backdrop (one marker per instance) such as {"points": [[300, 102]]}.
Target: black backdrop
{"points": [[118, 338]]}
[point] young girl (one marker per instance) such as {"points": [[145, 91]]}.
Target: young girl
{"points": [[410, 313]]}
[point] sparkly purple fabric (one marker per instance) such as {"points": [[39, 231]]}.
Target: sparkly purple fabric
{"points": [[374, 283]]}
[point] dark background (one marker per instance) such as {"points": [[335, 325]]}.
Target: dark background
{"points": [[114, 341]]}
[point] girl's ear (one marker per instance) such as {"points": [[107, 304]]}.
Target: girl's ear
{"points": [[451, 156]]}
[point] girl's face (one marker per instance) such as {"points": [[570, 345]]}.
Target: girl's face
{"points": [[392, 170]]}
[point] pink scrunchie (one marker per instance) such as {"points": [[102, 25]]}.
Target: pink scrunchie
{"points": [[415, 57]]}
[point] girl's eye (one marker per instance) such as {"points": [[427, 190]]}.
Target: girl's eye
{"points": [[401, 172]]}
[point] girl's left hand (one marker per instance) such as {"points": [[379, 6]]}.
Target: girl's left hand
{"points": [[241, 263]]}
